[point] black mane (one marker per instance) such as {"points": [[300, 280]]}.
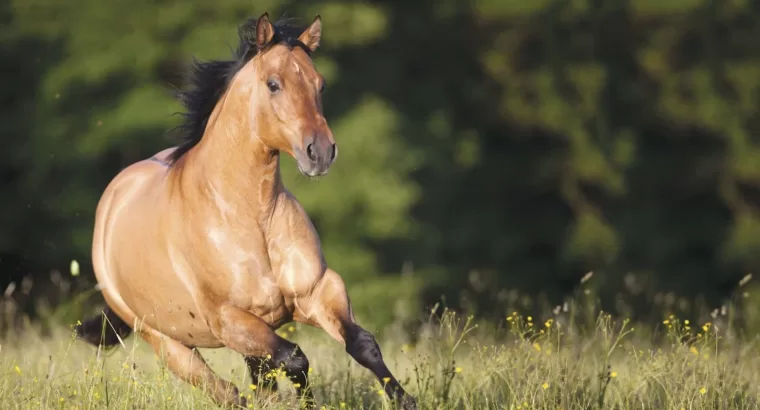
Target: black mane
{"points": [[208, 80]]}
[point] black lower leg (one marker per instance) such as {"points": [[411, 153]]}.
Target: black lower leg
{"points": [[294, 362], [261, 369], [362, 346]]}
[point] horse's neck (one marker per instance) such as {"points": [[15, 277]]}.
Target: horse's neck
{"points": [[232, 170]]}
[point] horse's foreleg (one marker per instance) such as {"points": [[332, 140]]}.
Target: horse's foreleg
{"points": [[262, 370], [189, 366], [250, 336], [329, 308]]}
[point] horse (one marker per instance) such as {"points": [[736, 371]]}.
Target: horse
{"points": [[202, 246]]}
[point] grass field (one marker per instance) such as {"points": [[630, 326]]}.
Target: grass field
{"points": [[455, 364]]}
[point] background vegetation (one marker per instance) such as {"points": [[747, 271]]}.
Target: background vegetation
{"points": [[492, 152], [455, 363]]}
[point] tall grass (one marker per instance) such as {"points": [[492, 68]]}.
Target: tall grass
{"points": [[453, 363]]}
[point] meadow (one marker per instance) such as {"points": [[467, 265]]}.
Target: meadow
{"points": [[451, 362]]}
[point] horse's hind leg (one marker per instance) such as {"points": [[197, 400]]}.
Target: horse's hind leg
{"points": [[250, 336], [329, 308], [189, 366]]}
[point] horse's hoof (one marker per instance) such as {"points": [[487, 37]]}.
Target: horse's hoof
{"points": [[236, 404], [308, 403], [408, 403], [235, 400]]}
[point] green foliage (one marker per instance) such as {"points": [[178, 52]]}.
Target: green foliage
{"points": [[454, 363], [530, 141]]}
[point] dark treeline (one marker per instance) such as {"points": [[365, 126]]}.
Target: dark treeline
{"points": [[490, 149]]}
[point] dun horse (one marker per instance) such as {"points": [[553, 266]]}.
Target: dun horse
{"points": [[202, 245]]}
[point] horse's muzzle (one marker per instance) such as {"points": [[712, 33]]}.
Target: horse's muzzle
{"points": [[316, 156]]}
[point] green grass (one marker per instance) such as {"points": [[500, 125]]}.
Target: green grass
{"points": [[455, 364]]}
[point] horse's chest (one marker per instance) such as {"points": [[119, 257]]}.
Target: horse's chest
{"points": [[243, 257], [253, 284]]}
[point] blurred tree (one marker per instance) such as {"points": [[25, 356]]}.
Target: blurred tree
{"points": [[486, 146]]}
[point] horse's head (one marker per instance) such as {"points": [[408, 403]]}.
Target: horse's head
{"points": [[286, 93]]}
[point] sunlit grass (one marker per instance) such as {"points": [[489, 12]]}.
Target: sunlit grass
{"points": [[529, 363]]}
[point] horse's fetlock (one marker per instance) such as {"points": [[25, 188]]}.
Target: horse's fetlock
{"points": [[292, 359]]}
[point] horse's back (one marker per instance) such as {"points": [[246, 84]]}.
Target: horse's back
{"points": [[128, 191]]}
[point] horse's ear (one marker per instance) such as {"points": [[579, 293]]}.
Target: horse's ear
{"points": [[264, 31], [311, 36]]}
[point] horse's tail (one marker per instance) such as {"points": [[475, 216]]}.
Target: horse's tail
{"points": [[106, 329]]}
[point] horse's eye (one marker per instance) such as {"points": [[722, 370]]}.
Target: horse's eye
{"points": [[273, 86], [322, 87]]}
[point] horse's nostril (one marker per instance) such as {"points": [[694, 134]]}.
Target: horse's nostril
{"points": [[334, 152], [310, 152]]}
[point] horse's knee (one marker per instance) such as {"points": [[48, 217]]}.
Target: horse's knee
{"points": [[293, 360], [362, 346]]}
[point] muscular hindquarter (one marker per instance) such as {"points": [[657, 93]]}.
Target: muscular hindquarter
{"points": [[132, 263]]}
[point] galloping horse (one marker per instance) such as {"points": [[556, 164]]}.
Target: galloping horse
{"points": [[201, 245]]}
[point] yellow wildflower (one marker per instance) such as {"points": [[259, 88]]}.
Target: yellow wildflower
{"points": [[291, 329], [18, 369], [694, 350], [458, 370], [613, 374], [545, 385], [702, 390], [252, 387], [537, 346], [666, 321], [386, 379]]}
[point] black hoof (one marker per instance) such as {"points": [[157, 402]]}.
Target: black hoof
{"points": [[240, 403], [308, 402], [408, 402]]}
